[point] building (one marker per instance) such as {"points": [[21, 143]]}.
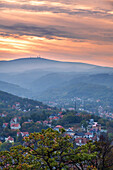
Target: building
{"points": [[14, 126], [89, 135], [24, 134], [58, 127], [14, 120], [5, 125], [79, 135], [81, 141], [9, 139]]}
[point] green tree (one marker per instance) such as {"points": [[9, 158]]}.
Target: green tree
{"points": [[49, 149]]}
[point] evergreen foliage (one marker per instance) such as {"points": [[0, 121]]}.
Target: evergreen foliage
{"points": [[50, 150]]}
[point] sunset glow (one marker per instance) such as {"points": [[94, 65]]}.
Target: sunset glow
{"points": [[60, 30]]}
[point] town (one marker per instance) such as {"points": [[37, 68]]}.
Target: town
{"points": [[80, 134]]}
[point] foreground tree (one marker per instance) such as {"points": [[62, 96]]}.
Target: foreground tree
{"points": [[49, 150], [104, 149]]}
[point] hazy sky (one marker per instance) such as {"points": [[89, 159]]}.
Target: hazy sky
{"points": [[66, 30]]}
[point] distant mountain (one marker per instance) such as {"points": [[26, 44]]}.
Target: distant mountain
{"points": [[14, 89], [98, 86], [23, 79], [25, 64], [79, 89], [50, 80], [43, 78]]}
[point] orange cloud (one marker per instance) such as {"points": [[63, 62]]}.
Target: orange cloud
{"points": [[63, 30]]}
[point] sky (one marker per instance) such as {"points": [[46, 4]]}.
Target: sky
{"points": [[65, 30]]}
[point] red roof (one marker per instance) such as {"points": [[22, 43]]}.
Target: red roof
{"points": [[58, 126], [38, 122], [18, 133], [83, 140], [94, 138], [25, 133], [13, 119], [55, 117], [15, 125], [88, 133], [70, 129], [10, 138], [5, 124], [45, 121]]}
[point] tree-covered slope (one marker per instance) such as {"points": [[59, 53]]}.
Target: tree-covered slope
{"points": [[14, 89], [79, 89], [9, 99]]}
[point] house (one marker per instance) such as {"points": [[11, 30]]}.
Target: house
{"points": [[14, 126], [14, 120], [95, 138], [19, 118], [91, 121], [29, 120], [55, 118], [71, 109], [58, 127], [39, 122], [89, 135], [13, 107], [17, 104], [63, 110], [24, 134], [61, 116], [5, 125], [69, 132], [9, 139], [37, 107], [79, 135], [96, 126], [18, 133], [60, 113], [3, 115], [2, 138], [81, 141], [26, 123], [45, 122]]}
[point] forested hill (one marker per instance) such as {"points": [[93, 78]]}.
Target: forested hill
{"points": [[9, 99], [14, 89]]}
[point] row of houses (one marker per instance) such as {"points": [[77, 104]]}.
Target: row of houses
{"points": [[11, 140], [92, 133], [80, 138]]}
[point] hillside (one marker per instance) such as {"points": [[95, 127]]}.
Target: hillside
{"points": [[82, 90], [14, 89], [8, 100], [25, 64], [45, 79], [51, 80], [98, 86]]}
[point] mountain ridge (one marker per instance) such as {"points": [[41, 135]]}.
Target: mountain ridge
{"points": [[42, 76], [45, 59], [26, 64]]}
